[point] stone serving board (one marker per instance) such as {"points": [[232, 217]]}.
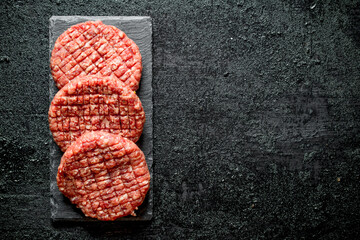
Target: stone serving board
{"points": [[139, 29]]}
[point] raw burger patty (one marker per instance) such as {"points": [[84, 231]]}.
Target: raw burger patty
{"points": [[95, 48], [104, 174], [91, 103]]}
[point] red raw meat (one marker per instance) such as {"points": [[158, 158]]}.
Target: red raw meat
{"points": [[105, 175], [91, 48], [90, 103]]}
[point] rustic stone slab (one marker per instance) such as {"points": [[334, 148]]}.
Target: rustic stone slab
{"points": [[139, 29]]}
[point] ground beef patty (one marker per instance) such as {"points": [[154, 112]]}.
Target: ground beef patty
{"points": [[104, 174], [90, 103], [95, 48]]}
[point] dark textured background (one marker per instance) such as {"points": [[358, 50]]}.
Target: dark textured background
{"points": [[256, 119]]}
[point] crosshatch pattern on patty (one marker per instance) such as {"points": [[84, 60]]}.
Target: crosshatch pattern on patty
{"points": [[92, 103], [95, 48], [105, 175]]}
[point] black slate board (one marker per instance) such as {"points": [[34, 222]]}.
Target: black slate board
{"points": [[139, 29]]}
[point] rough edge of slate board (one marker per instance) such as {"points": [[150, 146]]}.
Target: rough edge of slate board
{"points": [[139, 29]]}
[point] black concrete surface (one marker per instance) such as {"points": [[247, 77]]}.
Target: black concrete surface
{"points": [[256, 120]]}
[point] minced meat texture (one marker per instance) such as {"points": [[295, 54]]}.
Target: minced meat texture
{"points": [[105, 175], [90, 103], [91, 48]]}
